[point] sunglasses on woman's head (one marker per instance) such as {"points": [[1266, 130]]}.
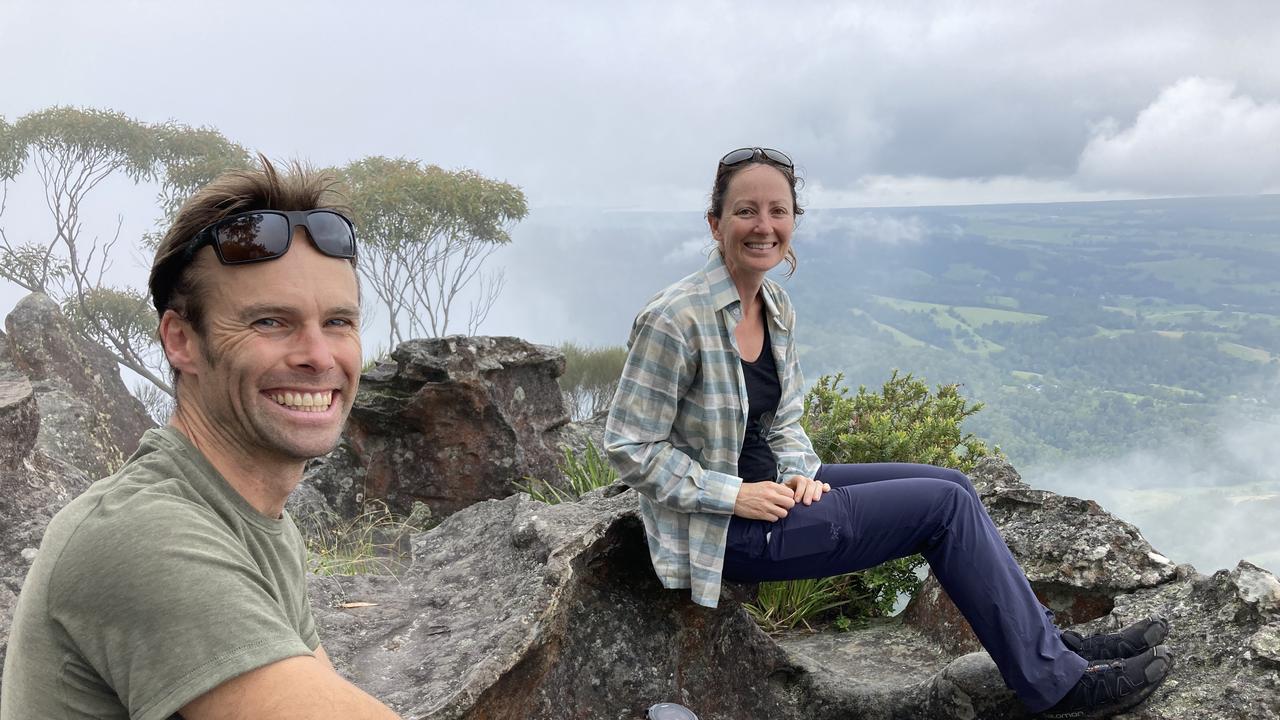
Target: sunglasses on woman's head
{"points": [[260, 235], [747, 154]]}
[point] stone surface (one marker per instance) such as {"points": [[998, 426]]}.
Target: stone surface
{"points": [[19, 422], [515, 609], [449, 422], [87, 415], [1077, 556], [30, 495]]}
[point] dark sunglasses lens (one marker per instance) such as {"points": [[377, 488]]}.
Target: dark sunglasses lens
{"points": [[253, 237], [332, 234], [777, 156], [734, 157]]}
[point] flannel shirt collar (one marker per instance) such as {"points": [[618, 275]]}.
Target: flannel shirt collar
{"points": [[724, 293]]}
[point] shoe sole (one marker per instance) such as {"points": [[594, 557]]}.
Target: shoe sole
{"points": [[1162, 653]]}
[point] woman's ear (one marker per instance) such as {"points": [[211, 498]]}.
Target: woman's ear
{"points": [[713, 222], [180, 342]]}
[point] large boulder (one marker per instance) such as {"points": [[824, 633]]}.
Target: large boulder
{"points": [[33, 486], [88, 417], [449, 422], [1078, 557], [515, 609]]}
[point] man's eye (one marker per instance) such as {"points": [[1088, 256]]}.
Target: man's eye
{"points": [[267, 322]]}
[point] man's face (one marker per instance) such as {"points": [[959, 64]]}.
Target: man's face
{"points": [[281, 352]]}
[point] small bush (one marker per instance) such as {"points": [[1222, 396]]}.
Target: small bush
{"points": [[584, 473], [904, 422], [590, 377], [370, 544]]}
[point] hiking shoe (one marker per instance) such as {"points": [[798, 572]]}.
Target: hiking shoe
{"points": [[1110, 688], [1133, 640]]}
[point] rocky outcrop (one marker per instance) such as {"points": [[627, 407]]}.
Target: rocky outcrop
{"points": [[1077, 556], [448, 422], [88, 417], [33, 486], [515, 609]]}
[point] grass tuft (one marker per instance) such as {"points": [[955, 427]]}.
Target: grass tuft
{"points": [[373, 543], [584, 472]]}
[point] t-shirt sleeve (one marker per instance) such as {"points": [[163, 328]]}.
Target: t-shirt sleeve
{"points": [[307, 621], [164, 621]]}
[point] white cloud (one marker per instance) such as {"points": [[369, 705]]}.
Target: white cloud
{"points": [[864, 228], [1200, 136], [922, 190], [692, 248]]}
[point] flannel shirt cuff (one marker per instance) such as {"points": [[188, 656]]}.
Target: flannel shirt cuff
{"points": [[719, 492]]}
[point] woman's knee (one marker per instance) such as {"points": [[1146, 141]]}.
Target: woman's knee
{"points": [[952, 475]]}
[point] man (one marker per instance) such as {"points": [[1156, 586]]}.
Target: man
{"points": [[176, 587]]}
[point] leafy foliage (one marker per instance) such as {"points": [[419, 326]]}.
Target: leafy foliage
{"points": [[586, 472], [425, 233], [188, 159], [903, 422], [590, 377], [13, 152]]}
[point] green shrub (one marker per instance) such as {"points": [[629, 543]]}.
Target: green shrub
{"points": [[369, 544], [590, 377], [584, 473], [904, 422]]}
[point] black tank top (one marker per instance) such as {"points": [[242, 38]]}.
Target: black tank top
{"points": [[756, 461]]}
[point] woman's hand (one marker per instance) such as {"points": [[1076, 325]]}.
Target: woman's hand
{"points": [[763, 501], [807, 490]]}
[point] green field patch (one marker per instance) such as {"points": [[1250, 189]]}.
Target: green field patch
{"points": [[1244, 352], [966, 273], [1178, 390], [974, 317], [900, 337], [1003, 301], [1171, 334], [1193, 272], [979, 316], [1026, 375]]}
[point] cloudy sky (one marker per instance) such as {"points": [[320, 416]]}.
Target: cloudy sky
{"points": [[622, 104], [628, 105]]}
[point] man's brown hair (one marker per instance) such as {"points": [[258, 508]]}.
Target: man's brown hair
{"points": [[174, 284]]}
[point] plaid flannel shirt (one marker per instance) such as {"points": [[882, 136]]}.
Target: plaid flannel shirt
{"points": [[679, 417]]}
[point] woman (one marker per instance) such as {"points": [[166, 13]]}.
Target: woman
{"points": [[706, 427]]}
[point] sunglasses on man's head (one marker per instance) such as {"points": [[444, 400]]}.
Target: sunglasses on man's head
{"points": [[747, 154], [260, 235]]}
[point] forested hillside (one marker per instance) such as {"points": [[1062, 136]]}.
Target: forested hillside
{"points": [[1088, 329]]}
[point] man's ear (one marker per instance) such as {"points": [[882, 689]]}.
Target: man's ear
{"points": [[180, 342]]}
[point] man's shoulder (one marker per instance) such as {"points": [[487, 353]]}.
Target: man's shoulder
{"points": [[123, 515]]}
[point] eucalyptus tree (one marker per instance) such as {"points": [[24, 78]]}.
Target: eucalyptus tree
{"points": [[425, 233], [72, 151]]}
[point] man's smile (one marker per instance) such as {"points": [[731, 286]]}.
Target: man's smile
{"points": [[313, 401]]}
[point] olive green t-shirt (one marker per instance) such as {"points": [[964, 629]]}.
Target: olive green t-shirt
{"points": [[156, 585]]}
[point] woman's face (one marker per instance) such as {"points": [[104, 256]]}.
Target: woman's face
{"points": [[754, 231]]}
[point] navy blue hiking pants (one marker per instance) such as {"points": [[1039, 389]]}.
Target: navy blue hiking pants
{"points": [[881, 511]]}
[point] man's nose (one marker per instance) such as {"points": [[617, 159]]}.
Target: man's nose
{"points": [[312, 349]]}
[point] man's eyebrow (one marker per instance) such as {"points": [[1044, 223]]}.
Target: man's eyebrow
{"points": [[346, 311], [258, 310]]}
